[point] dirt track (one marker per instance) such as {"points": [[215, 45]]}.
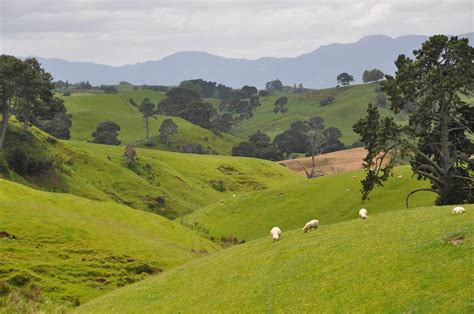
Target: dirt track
{"points": [[331, 163]]}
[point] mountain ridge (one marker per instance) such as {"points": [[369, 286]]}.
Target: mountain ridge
{"points": [[316, 69]]}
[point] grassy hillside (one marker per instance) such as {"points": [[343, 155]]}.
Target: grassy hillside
{"points": [[350, 104], [69, 249], [88, 110], [167, 183], [400, 261], [330, 199]]}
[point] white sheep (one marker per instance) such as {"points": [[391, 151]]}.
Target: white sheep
{"points": [[363, 213], [313, 224], [275, 233], [458, 210]]}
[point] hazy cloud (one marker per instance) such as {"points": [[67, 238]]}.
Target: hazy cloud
{"points": [[119, 32]]}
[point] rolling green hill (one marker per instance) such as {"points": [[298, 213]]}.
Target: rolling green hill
{"points": [[399, 261], [329, 199], [350, 104], [89, 109], [69, 249], [167, 183]]}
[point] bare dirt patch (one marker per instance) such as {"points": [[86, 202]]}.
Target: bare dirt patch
{"points": [[328, 164], [456, 240]]}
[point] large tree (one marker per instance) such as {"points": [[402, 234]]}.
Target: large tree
{"points": [[438, 137], [26, 91]]}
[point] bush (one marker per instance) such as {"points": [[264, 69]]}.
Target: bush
{"points": [[67, 94], [23, 163], [193, 148], [327, 100], [217, 185]]}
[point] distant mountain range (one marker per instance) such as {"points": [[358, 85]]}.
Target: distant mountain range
{"points": [[316, 69]]}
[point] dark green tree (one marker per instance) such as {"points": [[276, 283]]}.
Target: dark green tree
{"points": [[436, 139], [58, 126], [292, 140], [280, 105], [167, 129], [26, 91], [244, 149], [106, 133], [223, 123], [248, 91], [147, 108], [187, 104], [373, 75], [344, 79]]}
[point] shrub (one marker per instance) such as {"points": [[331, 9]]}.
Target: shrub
{"points": [[327, 100], [193, 148], [217, 185]]}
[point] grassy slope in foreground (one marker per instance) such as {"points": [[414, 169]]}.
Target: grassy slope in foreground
{"points": [[330, 199], [88, 110], [394, 262], [75, 249], [349, 106]]}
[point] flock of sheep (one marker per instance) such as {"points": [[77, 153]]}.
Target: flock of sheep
{"points": [[313, 224]]}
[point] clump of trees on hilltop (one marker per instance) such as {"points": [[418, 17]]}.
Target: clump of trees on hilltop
{"points": [[373, 75], [188, 101], [438, 137]]}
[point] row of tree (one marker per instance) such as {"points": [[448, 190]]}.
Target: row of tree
{"points": [[303, 137], [107, 132]]}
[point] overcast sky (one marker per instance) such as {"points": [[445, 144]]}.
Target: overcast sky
{"points": [[120, 32]]}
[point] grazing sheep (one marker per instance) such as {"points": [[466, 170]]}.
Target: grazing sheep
{"points": [[275, 233], [313, 224], [458, 210], [400, 176], [363, 213]]}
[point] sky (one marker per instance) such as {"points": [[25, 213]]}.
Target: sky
{"points": [[119, 32]]}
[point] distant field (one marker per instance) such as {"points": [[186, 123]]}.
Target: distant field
{"points": [[397, 262], [69, 249], [349, 106], [330, 199], [88, 110]]}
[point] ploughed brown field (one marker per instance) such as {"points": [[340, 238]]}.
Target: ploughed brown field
{"points": [[331, 163]]}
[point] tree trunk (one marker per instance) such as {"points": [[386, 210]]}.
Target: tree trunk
{"points": [[146, 126], [5, 117], [445, 154]]}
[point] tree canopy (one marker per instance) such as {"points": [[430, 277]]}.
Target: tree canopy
{"points": [[373, 75], [167, 129], [344, 79], [275, 85], [106, 133], [26, 91], [436, 139], [280, 105]]}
